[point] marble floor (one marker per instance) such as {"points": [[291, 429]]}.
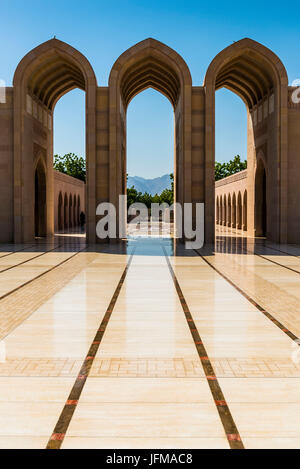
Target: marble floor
{"points": [[145, 344]]}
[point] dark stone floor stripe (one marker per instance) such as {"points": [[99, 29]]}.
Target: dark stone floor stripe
{"points": [[283, 252], [15, 252], [28, 260], [42, 274], [230, 428], [281, 326], [274, 262], [67, 413], [244, 250]]}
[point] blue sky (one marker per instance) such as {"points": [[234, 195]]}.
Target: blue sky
{"points": [[103, 30]]}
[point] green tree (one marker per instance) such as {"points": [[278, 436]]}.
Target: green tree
{"points": [[167, 196], [222, 170], [71, 164], [132, 196]]}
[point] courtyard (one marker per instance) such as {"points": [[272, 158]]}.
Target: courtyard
{"points": [[144, 344], [149, 229]]}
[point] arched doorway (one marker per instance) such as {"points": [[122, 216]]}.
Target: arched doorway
{"points": [[217, 211], [40, 208], [66, 224], [259, 78], [74, 211], [42, 77], [60, 212], [229, 211], [70, 212], [150, 64], [245, 211], [239, 212], [78, 210], [261, 200], [150, 150], [233, 217], [225, 211]]}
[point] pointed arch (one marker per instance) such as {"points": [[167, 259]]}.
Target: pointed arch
{"points": [[66, 220], [60, 212], [261, 196], [40, 208], [71, 211], [54, 65], [78, 209], [245, 211], [247, 68], [229, 211], [150, 63], [217, 210], [225, 211], [233, 217], [74, 211], [256, 75], [239, 211], [42, 77]]}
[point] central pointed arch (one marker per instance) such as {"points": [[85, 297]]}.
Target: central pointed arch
{"points": [[150, 64]]}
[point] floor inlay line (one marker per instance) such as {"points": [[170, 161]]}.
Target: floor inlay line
{"points": [[246, 251], [67, 413], [28, 260], [41, 275], [283, 252], [18, 250], [16, 308], [281, 326], [230, 428]]}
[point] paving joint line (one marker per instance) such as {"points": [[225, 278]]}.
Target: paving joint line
{"points": [[64, 420], [231, 431], [262, 256], [41, 275], [283, 252], [18, 250], [29, 260], [277, 323]]}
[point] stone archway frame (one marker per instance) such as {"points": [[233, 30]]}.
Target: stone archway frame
{"points": [[217, 210], [60, 205], [29, 64], [66, 212], [269, 59], [261, 162], [158, 60], [245, 210], [40, 167]]}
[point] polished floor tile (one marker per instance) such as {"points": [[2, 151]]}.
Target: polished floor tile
{"points": [[147, 387]]}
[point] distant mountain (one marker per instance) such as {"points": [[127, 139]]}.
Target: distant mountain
{"points": [[152, 186]]}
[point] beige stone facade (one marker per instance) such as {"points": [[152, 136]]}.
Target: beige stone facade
{"points": [[52, 69], [231, 201], [69, 202]]}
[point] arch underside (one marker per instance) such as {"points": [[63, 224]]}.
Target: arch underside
{"points": [[53, 78], [150, 73], [246, 76]]}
